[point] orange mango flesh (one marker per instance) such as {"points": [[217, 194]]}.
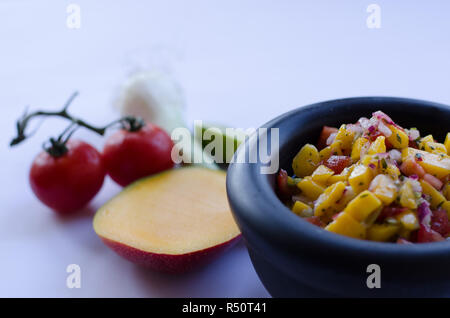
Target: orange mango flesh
{"points": [[176, 212]]}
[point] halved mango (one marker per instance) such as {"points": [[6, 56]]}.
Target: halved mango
{"points": [[171, 221]]}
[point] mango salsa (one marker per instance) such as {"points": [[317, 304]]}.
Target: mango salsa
{"points": [[360, 178], [310, 188], [374, 180], [346, 225], [305, 161]]}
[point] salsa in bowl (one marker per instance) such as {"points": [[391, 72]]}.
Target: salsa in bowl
{"points": [[294, 258], [374, 180]]}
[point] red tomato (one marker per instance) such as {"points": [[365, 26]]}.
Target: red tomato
{"points": [[326, 132], [315, 220], [338, 163], [410, 167], [413, 144], [283, 187], [435, 182], [69, 182], [426, 234], [390, 211], [131, 155], [440, 222]]}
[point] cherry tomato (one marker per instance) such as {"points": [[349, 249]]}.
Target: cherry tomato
{"points": [[68, 182], [131, 155]]}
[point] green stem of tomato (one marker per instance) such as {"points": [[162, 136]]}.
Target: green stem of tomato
{"points": [[57, 146]]}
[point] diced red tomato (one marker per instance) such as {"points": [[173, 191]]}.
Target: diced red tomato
{"points": [[413, 144], [440, 223], [337, 163], [410, 167], [283, 187], [326, 132], [426, 234], [315, 220], [435, 182], [390, 211]]}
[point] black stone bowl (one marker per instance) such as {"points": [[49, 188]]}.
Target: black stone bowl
{"points": [[296, 259]]}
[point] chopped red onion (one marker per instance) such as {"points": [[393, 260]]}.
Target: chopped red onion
{"points": [[415, 185], [414, 177], [424, 213], [356, 128], [383, 155], [364, 149], [382, 116], [331, 138], [413, 134], [384, 129], [364, 122], [395, 155]]}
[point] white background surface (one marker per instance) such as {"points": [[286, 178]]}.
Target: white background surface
{"points": [[239, 62]]}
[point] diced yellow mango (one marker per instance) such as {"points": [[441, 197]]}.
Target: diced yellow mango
{"points": [[408, 152], [357, 147], [446, 191], [384, 188], [407, 197], [437, 165], [428, 144], [364, 208], [306, 160], [292, 181], [327, 152], [344, 140], [382, 232], [398, 139], [436, 198], [423, 141], [309, 188], [343, 176], [360, 178], [327, 201], [378, 146], [322, 174], [302, 209], [447, 143], [435, 147], [369, 159], [392, 170], [408, 220], [344, 224]]}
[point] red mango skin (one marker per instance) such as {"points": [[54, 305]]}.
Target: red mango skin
{"points": [[169, 263]]}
